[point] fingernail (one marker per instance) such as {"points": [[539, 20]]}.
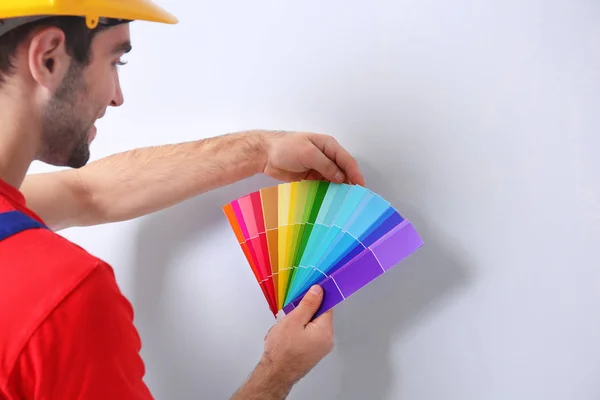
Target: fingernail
{"points": [[316, 289], [339, 176]]}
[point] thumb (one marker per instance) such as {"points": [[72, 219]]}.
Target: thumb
{"points": [[309, 305]]}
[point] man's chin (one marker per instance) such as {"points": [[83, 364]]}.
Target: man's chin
{"points": [[76, 160], [79, 156], [79, 159]]}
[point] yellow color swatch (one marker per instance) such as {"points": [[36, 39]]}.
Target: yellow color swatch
{"points": [[284, 222]]}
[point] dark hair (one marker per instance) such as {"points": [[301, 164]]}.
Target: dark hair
{"points": [[77, 35]]}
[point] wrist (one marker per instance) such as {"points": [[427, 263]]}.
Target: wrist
{"points": [[275, 373], [262, 141], [264, 383]]}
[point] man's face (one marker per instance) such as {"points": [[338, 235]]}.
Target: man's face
{"points": [[68, 121]]}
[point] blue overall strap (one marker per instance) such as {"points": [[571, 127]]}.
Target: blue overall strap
{"points": [[13, 222]]}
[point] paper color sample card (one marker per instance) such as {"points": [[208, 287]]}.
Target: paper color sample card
{"points": [[298, 234]]}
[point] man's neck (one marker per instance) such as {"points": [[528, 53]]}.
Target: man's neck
{"points": [[18, 137]]}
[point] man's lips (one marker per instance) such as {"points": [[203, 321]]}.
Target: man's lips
{"points": [[92, 134]]}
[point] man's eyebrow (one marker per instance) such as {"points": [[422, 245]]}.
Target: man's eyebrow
{"points": [[124, 48]]}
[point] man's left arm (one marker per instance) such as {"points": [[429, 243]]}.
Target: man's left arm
{"points": [[141, 181]]}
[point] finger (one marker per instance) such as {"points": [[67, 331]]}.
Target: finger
{"points": [[315, 159], [308, 306], [314, 176], [340, 156], [324, 321]]}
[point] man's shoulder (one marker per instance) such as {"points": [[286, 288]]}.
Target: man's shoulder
{"points": [[46, 256], [38, 270], [32, 240], [38, 263]]}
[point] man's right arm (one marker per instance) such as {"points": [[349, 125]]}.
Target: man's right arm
{"points": [[292, 348]]}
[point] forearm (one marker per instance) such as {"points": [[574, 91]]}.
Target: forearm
{"points": [[264, 383], [141, 181]]}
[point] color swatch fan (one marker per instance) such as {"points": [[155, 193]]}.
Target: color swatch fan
{"points": [[298, 234]]}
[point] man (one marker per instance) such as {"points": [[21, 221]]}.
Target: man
{"points": [[66, 331]]}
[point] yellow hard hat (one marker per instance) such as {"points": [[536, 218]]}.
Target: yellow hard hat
{"points": [[14, 13]]}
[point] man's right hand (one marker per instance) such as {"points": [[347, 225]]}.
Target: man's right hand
{"points": [[293, 346]]}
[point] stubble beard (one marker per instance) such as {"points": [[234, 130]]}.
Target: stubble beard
{"points": [[64, 131]]}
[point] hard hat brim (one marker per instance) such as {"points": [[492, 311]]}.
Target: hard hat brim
{"points": [[92, 10]]}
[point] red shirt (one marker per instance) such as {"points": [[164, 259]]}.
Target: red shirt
{"points": [[66, 331]]}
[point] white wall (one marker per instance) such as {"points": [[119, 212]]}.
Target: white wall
{"points": [[479, 120]]}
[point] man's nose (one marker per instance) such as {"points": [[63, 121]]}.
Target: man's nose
{"points": [[118, 100]]}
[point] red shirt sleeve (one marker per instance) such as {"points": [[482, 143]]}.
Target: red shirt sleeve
{"points": [[88, 348]]}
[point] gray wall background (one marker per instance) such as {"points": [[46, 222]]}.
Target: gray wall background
{"points": [[479, 120]]}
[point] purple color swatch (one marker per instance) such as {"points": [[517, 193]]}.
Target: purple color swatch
{"points": [[372, 262], [357, 273], [396, 245]]}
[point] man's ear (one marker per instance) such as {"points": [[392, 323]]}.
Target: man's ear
{"points": [[48, 58]]}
